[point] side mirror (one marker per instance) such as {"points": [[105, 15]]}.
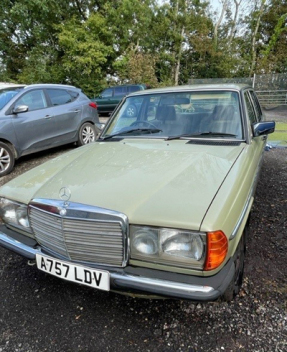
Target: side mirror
{"points": [[20, 108], [262, 128]]}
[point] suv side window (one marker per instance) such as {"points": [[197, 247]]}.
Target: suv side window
{"points": [[73, 94], [132, 89], [59, 96], [120, 91], [34, 99], [250, 110], [107, 93]]}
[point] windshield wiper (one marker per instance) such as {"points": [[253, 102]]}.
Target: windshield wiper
{"points": [[215, 134], [218, 134], [144, 130]]}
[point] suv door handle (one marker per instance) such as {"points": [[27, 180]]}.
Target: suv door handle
{"points": [[48, 117]]}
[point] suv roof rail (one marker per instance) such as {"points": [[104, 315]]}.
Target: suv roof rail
{"points": [[50, 85]]}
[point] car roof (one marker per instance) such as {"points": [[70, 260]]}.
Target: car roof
{"points": [[197, 87]]}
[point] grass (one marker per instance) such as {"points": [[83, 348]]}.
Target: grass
{"points": [[280, 133], [281, 126]]}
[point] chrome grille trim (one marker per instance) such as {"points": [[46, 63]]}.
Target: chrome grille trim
{"points": [[85, 234], [47, 230]]}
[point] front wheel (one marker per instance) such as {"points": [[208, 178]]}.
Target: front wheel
{"points": [[87, 134], [236, 282], [7, 159]]}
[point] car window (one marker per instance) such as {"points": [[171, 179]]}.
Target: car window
{"points": [[34, 99], [5, 97], [120, 91], [107, 93], [256, 106], [132, 89], [59, 97], [250, 109], [73, 94], [129, 113], [208, 113]]}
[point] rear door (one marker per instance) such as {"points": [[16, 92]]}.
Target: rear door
{"points": [[66, 113], [35, 128]]}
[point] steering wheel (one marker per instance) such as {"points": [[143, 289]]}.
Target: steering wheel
{"points": [[143, 122]]}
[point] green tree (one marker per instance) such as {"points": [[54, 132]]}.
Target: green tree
{"points": [[272, 57], [87, 48], [28, 37]]}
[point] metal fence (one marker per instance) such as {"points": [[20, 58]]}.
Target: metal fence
{"points": [[272, 97], [271, 89]]}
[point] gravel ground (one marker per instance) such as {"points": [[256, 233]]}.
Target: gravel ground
{"points": [[42, 313]]}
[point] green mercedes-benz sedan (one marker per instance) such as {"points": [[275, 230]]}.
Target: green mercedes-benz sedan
{"points": [[158, 206]]}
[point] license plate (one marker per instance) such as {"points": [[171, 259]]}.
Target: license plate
{"points": [[76, 273]]}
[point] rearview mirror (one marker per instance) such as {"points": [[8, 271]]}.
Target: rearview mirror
{"points": [[20, 108]]}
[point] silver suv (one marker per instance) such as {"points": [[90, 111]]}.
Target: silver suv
{"points": [[43, 116]]}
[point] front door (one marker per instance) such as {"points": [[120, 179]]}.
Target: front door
{"points": [[35, 128]]}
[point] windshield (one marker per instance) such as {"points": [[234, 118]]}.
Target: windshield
{"points": [[7, 95], [208, 114]]}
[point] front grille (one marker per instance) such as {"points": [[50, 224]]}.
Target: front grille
{"points": [[85, 238]]}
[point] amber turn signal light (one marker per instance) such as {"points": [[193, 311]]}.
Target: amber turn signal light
{"points": [[217, 247]]}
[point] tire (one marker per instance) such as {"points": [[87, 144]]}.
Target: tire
{"points": [[131, 111], [7, 159], [87, 134], [236, 282]]}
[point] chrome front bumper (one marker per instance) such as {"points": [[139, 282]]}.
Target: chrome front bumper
{"points": [[140, 281]]}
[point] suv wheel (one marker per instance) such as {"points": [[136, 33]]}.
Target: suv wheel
{"points": [[7, 159], [87, 134]]}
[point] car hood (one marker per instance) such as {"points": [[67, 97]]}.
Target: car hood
{"points": [[153, 182]]}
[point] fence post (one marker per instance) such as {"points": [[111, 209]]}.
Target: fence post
{"points": [[254, 78]]}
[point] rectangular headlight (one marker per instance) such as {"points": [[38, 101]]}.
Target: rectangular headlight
{"points": [[168, 246], [14, 214]]}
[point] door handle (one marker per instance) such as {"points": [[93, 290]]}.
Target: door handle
{"points": [[48, 117], [77, 110]]}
